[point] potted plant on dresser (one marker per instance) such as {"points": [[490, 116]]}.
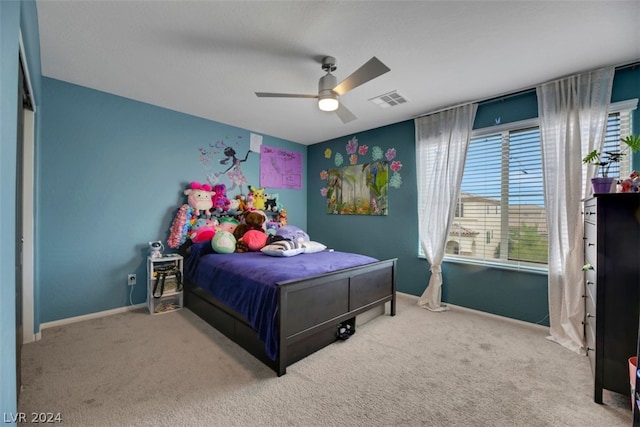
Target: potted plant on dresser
{"points": [[604, 160]]}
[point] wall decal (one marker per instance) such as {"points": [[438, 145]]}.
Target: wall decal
{"points": [[225, 154]]}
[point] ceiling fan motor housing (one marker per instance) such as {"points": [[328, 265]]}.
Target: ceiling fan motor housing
{"points": [[326, 84], [327, 98]]}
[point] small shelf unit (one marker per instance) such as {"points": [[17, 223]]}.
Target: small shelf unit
{"points": [[164, 283]]}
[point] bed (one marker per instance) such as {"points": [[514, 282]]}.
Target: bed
{"points": [[282, 309]]}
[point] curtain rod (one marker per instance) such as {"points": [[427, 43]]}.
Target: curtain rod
{"points": [[518, 92]]}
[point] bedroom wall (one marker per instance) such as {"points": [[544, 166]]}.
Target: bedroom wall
{"points": [[9, 24], [519, 295], [112, 172], [15, 18]]}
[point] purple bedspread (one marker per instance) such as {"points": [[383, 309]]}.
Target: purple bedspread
{"points": [[246, 282]]}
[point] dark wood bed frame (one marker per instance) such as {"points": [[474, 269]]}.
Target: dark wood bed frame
{"points": [[310, 310]]}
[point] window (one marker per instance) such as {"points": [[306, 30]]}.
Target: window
{"points": [[504, 221], [502, 192], [618, 126]]}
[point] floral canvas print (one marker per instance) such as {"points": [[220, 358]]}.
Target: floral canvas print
{"points": [[360, 189]]}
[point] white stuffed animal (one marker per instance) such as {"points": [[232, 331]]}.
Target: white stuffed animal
{"points": [[200, 198]]}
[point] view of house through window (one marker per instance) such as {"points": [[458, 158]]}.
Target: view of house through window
{"points": [[500, 215]]}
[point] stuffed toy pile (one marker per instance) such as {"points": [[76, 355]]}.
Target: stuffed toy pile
{"points": [[238, 224]]}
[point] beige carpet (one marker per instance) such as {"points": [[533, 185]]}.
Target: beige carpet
{"points": [[457, 368]]}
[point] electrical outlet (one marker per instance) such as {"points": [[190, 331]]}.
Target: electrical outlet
{"points": [[131, 279]]}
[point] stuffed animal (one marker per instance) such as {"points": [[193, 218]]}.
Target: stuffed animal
{"points": [[282, 217], [223, 242], [252, 241], [271, 227], [293, 233], [631, 184], [200, 198], [203, 229], [272, 204], [220, 201], [241, 204], [252, 220], [234, 206], [259, 198], [248, 202], [228, 224]]}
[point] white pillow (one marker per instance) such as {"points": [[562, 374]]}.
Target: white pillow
{"points": [[312, 247], [283, 248]]}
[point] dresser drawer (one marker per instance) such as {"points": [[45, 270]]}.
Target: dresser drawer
{"points": [[590, 339], [589, 308], [590, 243], [590, 284], [590, 211]]}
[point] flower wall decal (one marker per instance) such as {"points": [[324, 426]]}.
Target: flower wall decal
{"points": [[352, 145], [390, 154], [396, 166], [376, 153]]}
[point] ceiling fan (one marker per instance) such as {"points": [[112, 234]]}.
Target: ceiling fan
{"points": [[329, 92]]}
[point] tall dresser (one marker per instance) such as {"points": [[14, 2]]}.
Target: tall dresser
{"points": [[612, 287]]}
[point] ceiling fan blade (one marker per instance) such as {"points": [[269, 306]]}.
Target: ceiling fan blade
{"points": [[345, 114], [283, 95], [369, 71]]}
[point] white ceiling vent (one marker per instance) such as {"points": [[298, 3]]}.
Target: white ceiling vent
{"points": [[389, 99]]}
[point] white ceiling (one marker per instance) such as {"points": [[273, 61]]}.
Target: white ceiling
{"points": [[207, 58]]}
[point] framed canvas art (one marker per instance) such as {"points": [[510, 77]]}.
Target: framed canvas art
{"points": [[358, 189]]}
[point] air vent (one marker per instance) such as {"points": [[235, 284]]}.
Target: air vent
{"points": [[389, 99]]}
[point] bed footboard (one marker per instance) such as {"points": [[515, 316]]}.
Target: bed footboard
{"points": [[310, 310]]}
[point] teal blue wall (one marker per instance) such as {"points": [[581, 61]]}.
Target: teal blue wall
{"points": [[9, 24], [390, 236], [15, 16], [519, 295], [111, 177]]}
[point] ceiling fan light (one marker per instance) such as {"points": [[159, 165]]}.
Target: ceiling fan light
{"points": [[328, 104]]}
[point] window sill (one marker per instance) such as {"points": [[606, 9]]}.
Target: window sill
{"points": [[497, 265]]}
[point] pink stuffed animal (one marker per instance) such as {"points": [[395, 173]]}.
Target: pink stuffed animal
{"points": [[203, 229], [200, 198]]}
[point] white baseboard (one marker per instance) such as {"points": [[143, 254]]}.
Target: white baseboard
{"points": [[27, 338], [497, 316], [484, 313], [89, 316]]}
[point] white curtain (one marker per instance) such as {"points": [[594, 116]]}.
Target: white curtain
{"points": [[573, 116], [441, 149]]}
